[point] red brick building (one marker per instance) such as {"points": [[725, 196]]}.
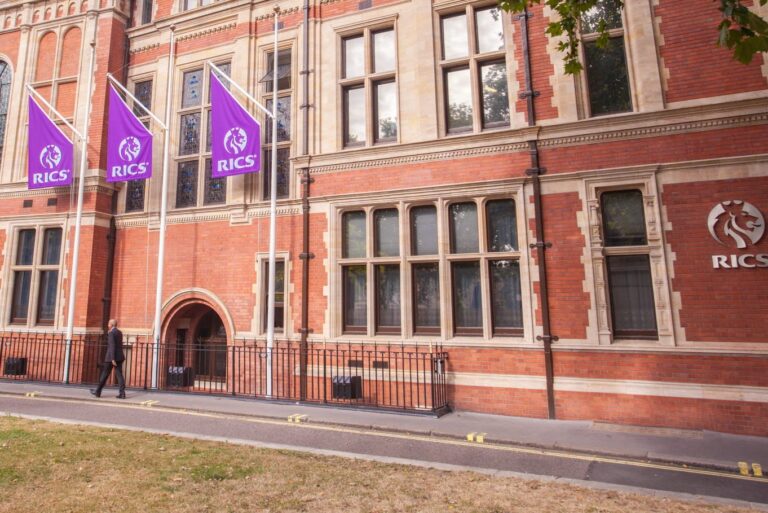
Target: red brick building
{"points": [[586, 247]]}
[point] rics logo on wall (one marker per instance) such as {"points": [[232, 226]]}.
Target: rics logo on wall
{"points": [[739, 223], [739, 220]]}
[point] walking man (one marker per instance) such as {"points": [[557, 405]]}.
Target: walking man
{"points": [[113, 359]]}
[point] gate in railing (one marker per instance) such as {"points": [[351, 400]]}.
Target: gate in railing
{"points": [[388, 376]]}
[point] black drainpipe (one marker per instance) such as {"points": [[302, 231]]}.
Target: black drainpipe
{"points": [[106, 301], [306, 181], [535, 171]]}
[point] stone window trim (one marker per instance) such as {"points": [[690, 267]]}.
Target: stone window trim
{"points": [[6, 83], [260, 292], [203, 154], [472, 62], [600, 318], [188, 5], [444, 258], [261, 182], [133, 81], [581, 80], [145, 12], [368, 81], [36, 268], [56, 81]]}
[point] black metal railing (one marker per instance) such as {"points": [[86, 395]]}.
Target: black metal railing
{"points": [[389, 376]]}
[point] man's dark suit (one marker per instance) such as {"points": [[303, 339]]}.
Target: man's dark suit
{"points": [[113, 359]]}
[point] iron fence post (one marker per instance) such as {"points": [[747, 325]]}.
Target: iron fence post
{"points": [[146, 363], [325, 376], [432, 379], [233, 369]]}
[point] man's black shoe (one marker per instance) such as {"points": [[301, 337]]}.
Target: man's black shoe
{"points": [[95, 393], [121, 396]]}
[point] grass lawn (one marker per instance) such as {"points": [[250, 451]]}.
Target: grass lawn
{"points": [[47, 467]]}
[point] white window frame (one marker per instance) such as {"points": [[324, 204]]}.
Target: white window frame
{"points": [[473, 60], [582, 81], [36, 268], [203, 154], [368, 80], [260, 192], [144, 117], [262, 282], [444, 258]]}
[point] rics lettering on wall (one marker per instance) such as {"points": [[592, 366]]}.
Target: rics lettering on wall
{"points": [[737, 223]]}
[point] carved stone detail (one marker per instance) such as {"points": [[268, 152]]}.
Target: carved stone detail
{"points": [[207, 31], [652, 226], [595, 223], [425, 157], [646, 183]]}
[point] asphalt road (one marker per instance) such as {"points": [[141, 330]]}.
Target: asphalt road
{"points": [[389, 446]]}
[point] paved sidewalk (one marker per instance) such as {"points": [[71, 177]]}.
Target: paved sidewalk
{"points": [[695, 448]]}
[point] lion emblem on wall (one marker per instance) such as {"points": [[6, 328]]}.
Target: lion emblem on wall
{"points": [[737, 219]]}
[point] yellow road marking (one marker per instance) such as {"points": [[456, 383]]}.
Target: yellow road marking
{"points": [[32, 394], [474, 436], [149, 403], [430, 439]]}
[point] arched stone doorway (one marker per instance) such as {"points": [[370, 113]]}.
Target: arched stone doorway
{"points": [[196, 340]]}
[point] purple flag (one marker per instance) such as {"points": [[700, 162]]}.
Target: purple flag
{"points": [[50, 151], [235, 134], [129, 143]]}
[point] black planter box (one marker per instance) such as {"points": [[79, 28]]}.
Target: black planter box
{"points": [[180, 377], [15, 367], [347, 387]]}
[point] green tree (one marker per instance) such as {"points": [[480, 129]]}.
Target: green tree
{"points": [[741, 30]]}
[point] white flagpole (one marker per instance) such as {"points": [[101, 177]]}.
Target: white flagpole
{"points": [[55, 112], [272, 219], [220, 74], [163, 207], [136, 101], [78, 219]]}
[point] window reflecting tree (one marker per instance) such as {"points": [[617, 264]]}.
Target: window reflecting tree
{"points": [[5, 90], [605, 12], [495, 97], [623, 218]]}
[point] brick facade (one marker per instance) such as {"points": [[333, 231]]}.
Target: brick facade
{"points": [[693, 138]]}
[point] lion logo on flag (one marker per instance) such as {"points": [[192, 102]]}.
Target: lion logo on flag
{"points": [[235, 140], [50, 156], [737, 219], [129, 148]]}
